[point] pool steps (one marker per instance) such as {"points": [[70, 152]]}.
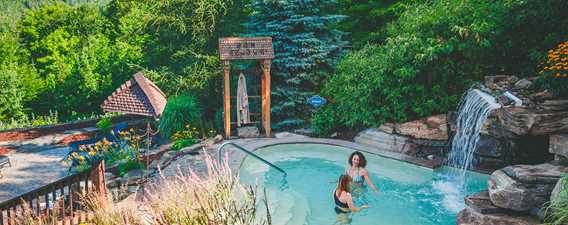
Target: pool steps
{"points": [[220, 156]]}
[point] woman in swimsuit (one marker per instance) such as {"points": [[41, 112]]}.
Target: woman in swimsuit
{"points": [[343, 200], [357, 171]]}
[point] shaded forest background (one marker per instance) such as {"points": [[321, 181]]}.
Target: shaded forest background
{"points": [[374, 60]]}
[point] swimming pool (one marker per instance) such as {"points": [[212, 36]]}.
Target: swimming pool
{"points": [[408, 194]]}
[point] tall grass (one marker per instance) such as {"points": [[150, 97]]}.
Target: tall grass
{"points": [[179, 112], [213, 198], [556, 211]]}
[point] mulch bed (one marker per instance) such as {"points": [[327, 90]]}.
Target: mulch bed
{"points": [[26, 134], [20, 135], [4, 150], [77, 137]]}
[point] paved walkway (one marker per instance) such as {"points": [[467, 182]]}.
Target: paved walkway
{"points": [[35, 163], [31, 170]]}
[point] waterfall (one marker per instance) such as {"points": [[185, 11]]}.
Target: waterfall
{"points": [[473, 111]]}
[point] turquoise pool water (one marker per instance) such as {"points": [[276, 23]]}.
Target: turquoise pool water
{"points": [[408, 194]]}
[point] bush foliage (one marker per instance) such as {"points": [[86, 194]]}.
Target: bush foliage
{"points": [[180, 112], [68, 57], [433, 50]]}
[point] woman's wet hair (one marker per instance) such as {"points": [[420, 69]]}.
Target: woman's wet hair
{"points": [[362, 160], [344, 183]]}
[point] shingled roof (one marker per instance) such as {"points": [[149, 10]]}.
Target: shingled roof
{"points": [[137, 96]]}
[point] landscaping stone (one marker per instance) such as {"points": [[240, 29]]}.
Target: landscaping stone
{"points": [[543, 95], [552, 117], [524, 187], [288, 135], [211, 141], [480, 211], [559, 144], [248, 132], [522, 84], [488, 147], [154, 165], [194, 149], [133, 176], [109, 176], [382, 140], [430, 128], [113, 183]]}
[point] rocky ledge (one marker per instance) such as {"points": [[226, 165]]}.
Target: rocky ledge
{"points": [[541, 113], [524, 187], [480, 210]]}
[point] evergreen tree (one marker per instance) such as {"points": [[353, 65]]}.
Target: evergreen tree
{"points": [[368, 19], [306, 50]]}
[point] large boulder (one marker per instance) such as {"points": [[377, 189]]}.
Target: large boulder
{"points": [[558, 144], [480, 211], [548, 117], [524, 187], [430, 128]]}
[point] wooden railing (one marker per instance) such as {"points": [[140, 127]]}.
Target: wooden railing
{"points": [[57, 202]]}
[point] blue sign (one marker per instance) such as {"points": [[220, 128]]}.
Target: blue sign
{"points": [[316, 101]]}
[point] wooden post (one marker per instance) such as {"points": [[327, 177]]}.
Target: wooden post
{"points": [[266, 96], [227, 101], [97, 176], [262, 97]]}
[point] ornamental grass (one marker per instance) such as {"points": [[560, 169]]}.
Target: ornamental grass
{"points": [[213, 198]]}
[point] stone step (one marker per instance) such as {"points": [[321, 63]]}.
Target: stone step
{"points": [[379, 142], [380, 133], [384, 138], [382, 145]]}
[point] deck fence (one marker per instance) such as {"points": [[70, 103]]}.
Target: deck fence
{"points": [[57, 202]]}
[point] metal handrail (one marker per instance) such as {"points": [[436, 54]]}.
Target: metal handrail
{"points": [[220, 148]]}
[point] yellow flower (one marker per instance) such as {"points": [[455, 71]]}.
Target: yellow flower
{"points": [[81, 158], [92, 153], [74, 154], [105, 142]]}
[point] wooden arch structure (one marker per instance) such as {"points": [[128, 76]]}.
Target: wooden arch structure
{"points": [[235, 48]]}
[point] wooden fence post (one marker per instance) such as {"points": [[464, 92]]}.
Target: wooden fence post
{"points": [[97, 176]]}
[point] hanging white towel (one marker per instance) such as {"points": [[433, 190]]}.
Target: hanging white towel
{"points": [[243, 116]]}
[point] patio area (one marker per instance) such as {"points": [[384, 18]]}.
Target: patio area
{"points": [[31, 170]]}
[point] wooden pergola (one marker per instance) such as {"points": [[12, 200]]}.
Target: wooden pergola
{"points": [[235, 48]]}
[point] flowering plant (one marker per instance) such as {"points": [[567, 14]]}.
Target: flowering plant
{"points": [[555, 70], [125, 148]]}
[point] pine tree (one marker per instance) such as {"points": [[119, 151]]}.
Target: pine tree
{"points": [[306, 50]]}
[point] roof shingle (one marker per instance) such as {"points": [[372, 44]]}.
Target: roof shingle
{"points": [[137, 96]]}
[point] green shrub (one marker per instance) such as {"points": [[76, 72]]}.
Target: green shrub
{"points": [[432, 53], [179, 112], [104, 125], [129, 165], [179, 144], [324, 121]]}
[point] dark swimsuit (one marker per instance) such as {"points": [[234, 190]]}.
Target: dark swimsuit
{"points": [[339, 204]]}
